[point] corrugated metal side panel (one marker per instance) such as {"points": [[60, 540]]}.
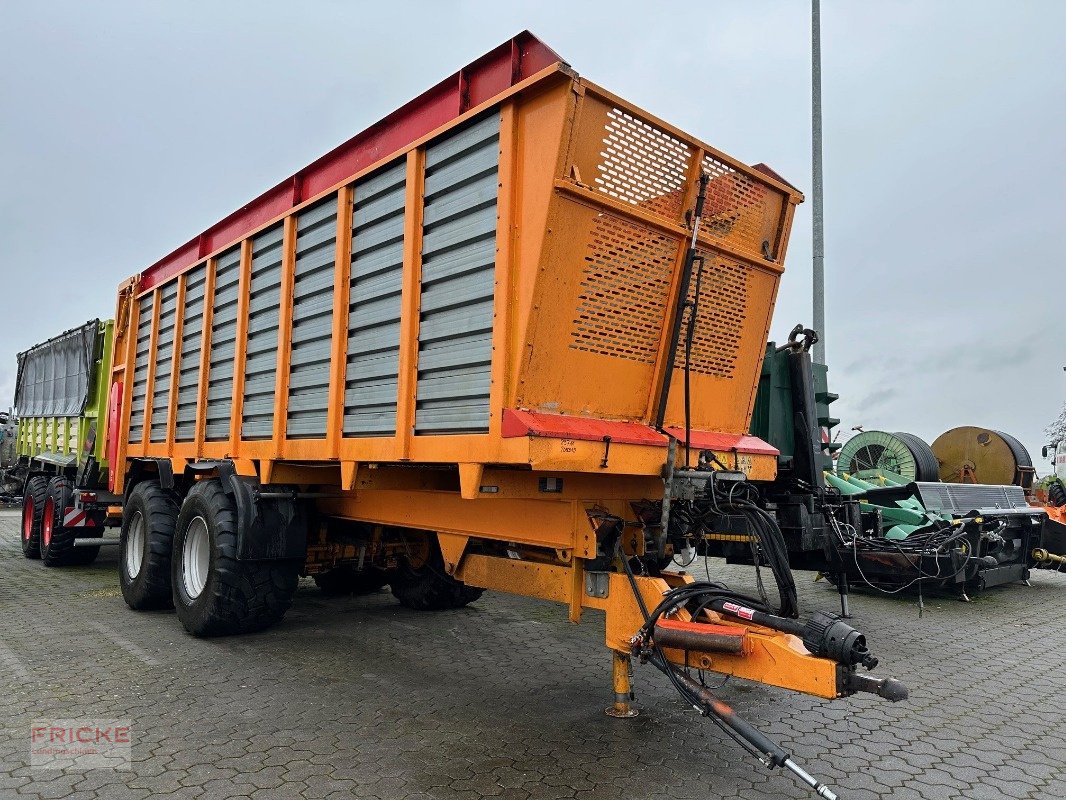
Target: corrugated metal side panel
{"points": [[312, 320], [140, 368], [261, 353], [374, 304], [192, 327], [223, 337], [164, 353], [458, 276]]}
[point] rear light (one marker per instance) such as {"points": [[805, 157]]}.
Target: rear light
{"points": [[88, 497]]}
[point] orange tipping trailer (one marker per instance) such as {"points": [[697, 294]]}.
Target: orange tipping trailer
{"points": [[432, 359]]}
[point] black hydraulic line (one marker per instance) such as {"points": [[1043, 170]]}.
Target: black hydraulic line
{"points": [[825, 635], [690, 335], [681, 303], [736, 727]]}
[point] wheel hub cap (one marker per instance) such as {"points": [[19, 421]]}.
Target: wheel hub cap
{"points": [[135, 546], [27, 519], [46, 522], [196, 558]]}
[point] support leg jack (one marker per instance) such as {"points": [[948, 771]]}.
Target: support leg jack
{"points": [[623, 691], [843, 588]]}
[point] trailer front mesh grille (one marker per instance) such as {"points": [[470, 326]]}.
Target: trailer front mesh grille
{"points": [[624, 290], [721, 318], [740, 210], [643, 165]]}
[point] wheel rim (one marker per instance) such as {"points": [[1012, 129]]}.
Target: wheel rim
{"points": [[27, 519], [135, 546], [47, 520], [196, 557]]}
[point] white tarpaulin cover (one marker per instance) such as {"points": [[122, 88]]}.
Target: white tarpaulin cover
{"points": [[54, 377]]}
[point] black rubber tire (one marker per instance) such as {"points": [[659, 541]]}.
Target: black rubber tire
{"points": [[157, 510], [33, 504], [238, 596], [346, 580], [1056, 493], [927, 467], [58, 550], [430, 588]]}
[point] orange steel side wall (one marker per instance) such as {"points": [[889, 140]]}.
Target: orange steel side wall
{"points": [[551, 135]]}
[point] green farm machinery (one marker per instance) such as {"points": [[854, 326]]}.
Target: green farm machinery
{"points": [[873, 511]]}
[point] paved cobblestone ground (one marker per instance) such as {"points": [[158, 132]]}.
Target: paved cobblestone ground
{"points": [[359, 697]]}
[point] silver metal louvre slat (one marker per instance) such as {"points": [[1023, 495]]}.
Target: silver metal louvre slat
{"points": [[222, 335], [374, 303], [469, 257], [381, 395], [382, 182], [312, 320], [456, 322], [458, 280], [387, 230], [318, 279], [168, 306], [463, 290], [140, 369], [473, 349], [374, 366], [378, 208], [461, 229], [368, 263], [374, 340], [450, 416], [488, 127], [319, 259], [188, 374], [261, 348], [313, 375], [469, 182], [381, 283]]}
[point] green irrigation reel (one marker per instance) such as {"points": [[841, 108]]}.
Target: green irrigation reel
{"points": [[876, 454]]}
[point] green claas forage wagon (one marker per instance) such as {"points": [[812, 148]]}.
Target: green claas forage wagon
{"points": [[61, 468]]}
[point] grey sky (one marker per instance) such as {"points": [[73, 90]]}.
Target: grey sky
{"points": [[128, 127]]}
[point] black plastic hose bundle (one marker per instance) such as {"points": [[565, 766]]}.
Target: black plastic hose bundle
{"points": [[767, 543], [695, 517]]}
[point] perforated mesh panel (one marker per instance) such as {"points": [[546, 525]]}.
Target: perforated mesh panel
{"points": [[721, 317], [624, 290], [739, 209], [642, 165]]}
